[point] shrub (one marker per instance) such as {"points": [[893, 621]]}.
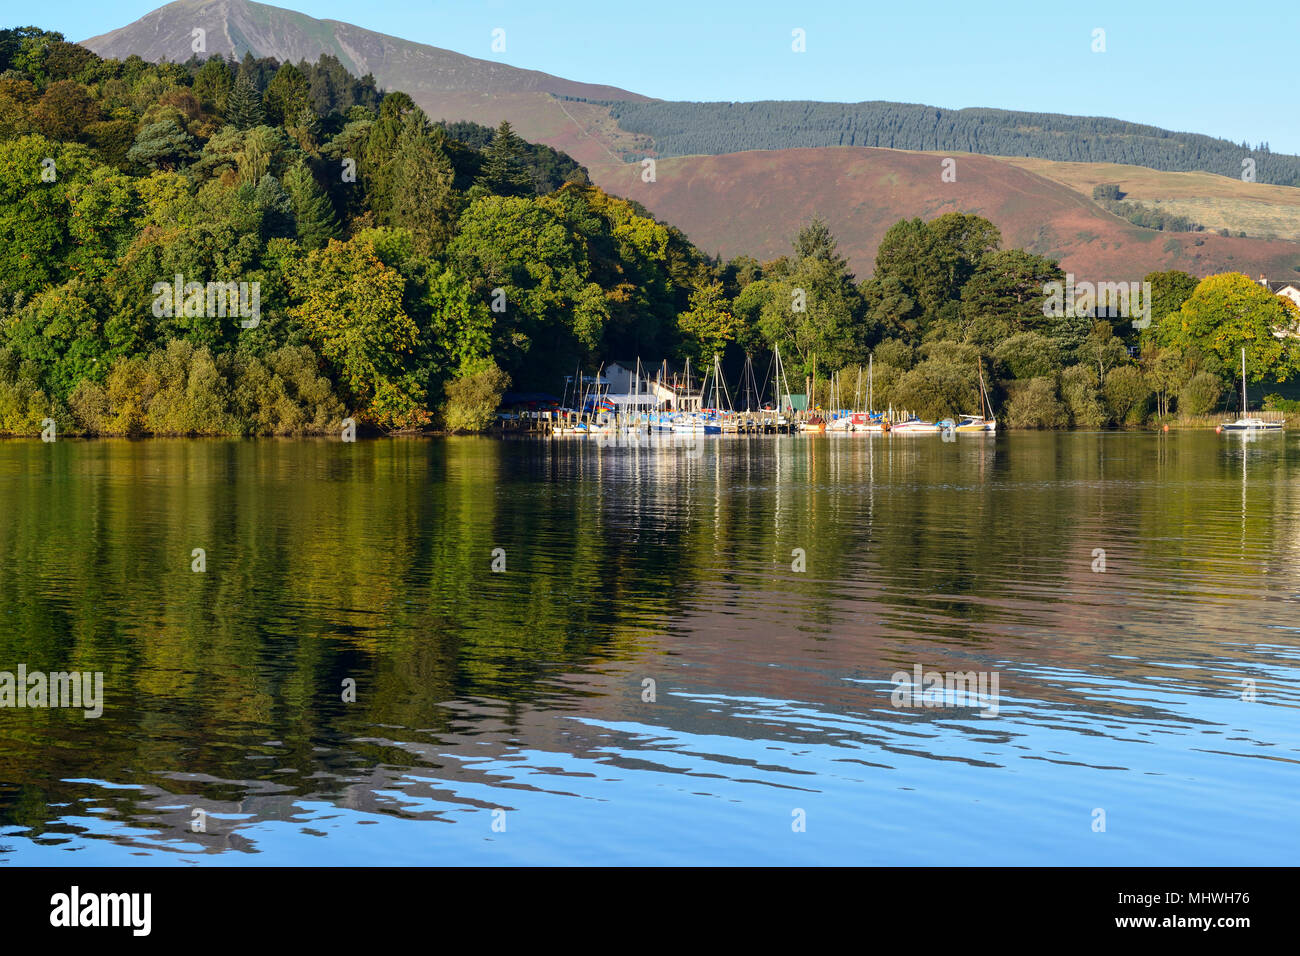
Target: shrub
{"points": [[1082, 399], [1033, 404], [24, 405], [1200, 394], [1126, 394], [473, 398]]}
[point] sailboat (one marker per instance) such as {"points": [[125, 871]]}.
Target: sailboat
{"points": [[703, 421], [1246, 423], [868, 421], [984, 421]]}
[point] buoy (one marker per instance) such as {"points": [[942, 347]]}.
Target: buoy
{"points": [[1166, 428], [1218, 429]]}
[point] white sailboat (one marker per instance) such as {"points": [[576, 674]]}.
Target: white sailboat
{"points": [[1247, 423], [984, 421]]}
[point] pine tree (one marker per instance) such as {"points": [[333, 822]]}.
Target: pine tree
{"points": [[244, 104], [312, 209], [503, 169]]}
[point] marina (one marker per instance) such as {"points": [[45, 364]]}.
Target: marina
{"points": [[672, 403]]}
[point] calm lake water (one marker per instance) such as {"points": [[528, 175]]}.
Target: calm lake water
{"points": [[1130, 592]]}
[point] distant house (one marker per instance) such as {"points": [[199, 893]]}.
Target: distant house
{"points": [[1287, 289], [660, 385]]}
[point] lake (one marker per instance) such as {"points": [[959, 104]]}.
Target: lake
{"points": [[655, 651]]}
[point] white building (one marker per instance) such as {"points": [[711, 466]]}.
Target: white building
{"points": [[1287, 289]]}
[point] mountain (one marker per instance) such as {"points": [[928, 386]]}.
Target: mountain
{"points": [[753, 201], [235, 27]]}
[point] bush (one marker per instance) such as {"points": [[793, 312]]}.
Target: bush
{"points": [[1082, 399], [1276, 403], [1200, 394], [1126, 394], [285, 394], [472, 399], [24, 405], [1033, 404], [181, 390], [938, 388]]}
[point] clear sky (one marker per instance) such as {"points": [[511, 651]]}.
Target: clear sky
{"points": [[1225, 69]]}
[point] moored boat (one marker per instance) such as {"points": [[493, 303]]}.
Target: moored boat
{"points": [[1248, 423], [914, 426]]}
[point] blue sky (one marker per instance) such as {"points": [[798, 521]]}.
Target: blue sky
{"points": [[1210, 67]]}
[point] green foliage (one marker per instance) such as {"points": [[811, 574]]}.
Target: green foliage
{"points": [[1149, 217], [1199, 394], [1228, 312], [163, 145], [350, 304], [1127, 394], [708, 325], [180, 390], [472, 399], [944, 385], [313, 213], [244, 108], [458, 259], [1034, 404], [503, 170], [1082, 397]]}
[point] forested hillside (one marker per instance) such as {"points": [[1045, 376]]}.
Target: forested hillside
{"points": [[684, 129], [269, 248], [259, 247]]}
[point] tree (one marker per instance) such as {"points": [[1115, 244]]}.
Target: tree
{"points": [[815, 311], [1169, 290], [244, 108], [1126, 393], [287, 95], [1228, 312], [473, 398], [1082, 397], [312, 210], [351, 305], [163, 146], [421, 183], [65, 110], [503, 171], [931, 262], [1005, 296], [1199, 394], [213, 84], [707, 325]]}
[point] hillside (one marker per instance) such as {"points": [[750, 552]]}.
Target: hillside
{"points": [[751, 202], [682, 129], [235, 27], [729, 203], [1216, 202]]}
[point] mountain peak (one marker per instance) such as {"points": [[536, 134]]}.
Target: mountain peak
{"points": [[232, 28]]}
